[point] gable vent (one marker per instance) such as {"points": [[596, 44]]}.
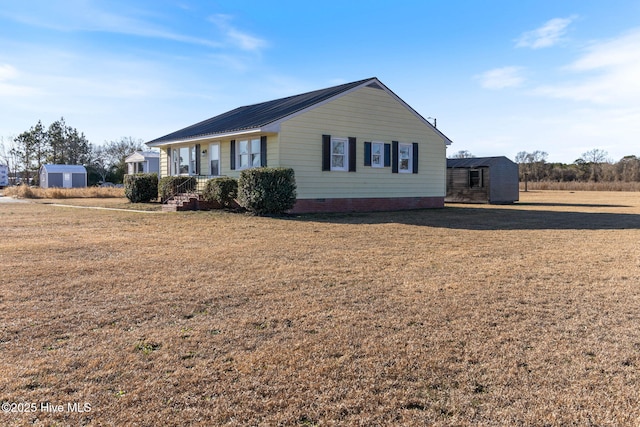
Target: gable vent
{"points": [[374, 85]]}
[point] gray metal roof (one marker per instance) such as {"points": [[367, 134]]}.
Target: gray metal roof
{"points": [[64, 168], [256, 115], [477, 162]]}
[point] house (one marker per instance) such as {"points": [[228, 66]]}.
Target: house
{"points": [[482, 180], [64, 176], [353, 147], [143, 162]]}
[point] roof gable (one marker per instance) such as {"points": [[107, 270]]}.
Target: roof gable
{"points": [[141, 156], [258, 116]]}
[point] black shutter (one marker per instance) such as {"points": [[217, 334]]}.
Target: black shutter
{"points": [[198, 155], [394, 156], [168, 161], [415, 157], [232, 158], [263, 151], [326, 152], [352, 154], [387, 155], [367, 154]]}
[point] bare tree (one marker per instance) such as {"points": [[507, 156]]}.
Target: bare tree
{"points": [[595, 158], [110, 157], [462, 154], [532, 165]]}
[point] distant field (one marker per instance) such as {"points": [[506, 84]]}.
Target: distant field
{"points": [[469, 315]]}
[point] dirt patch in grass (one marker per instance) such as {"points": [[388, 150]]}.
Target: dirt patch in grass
{"points": [[473, 314], [114, 203]]}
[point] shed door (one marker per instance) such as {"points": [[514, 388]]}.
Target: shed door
{"points": [[78, 180], [55, 180]]}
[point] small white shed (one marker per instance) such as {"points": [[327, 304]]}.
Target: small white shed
{"points": [[143, 162], [64, 176]]}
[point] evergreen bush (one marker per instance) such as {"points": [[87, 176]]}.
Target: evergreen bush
{"points": [[267, 190], [141, 187], [221, 190]]}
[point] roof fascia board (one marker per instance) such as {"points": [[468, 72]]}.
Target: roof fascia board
{"points": [[446, 140], [207, 137]]}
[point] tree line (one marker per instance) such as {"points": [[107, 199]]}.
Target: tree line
{"points": [[60, 143], [592, 166]]}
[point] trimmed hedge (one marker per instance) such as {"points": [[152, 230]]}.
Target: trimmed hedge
{"points": [[267, 190], [221, 190], [141, 187], [168, 184]]}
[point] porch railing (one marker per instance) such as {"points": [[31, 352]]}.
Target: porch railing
{"points": [[194, 186]]}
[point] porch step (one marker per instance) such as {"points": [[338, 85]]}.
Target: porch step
{"points": [[188, 202]]}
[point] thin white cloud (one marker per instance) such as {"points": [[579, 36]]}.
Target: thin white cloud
{"points": [[547, 35], [85, 16], [502, 78], [7, 72], [238, 38], [606, 74], [8, 87]]}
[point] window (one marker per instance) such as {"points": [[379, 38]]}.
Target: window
{"points": [[339, 154], [183, 162], [193, 160], [475, 178], [214, 159], [249, 153], [405, 158], [377, 154], [175, 164]]}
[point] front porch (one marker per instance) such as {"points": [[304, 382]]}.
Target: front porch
{"points": [[188, 196]]}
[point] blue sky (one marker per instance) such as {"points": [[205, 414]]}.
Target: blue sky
{"points": [[500, 76]]}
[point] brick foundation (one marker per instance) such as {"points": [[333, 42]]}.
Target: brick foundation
{"points": [[366, 204]]}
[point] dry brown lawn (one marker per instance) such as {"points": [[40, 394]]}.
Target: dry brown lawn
{"points": [[470, 315]]}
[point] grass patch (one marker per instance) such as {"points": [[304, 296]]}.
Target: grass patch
{"points": [[27, 192], [582, 186], [470, 315]]}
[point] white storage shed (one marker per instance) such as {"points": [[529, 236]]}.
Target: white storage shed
{"points": [[63, 176]]}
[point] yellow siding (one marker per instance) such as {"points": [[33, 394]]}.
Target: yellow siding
{"points": [[163, 162], [369, 115]]}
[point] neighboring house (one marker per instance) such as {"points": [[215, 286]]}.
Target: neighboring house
{"points": [[63, 176], [143, 162], [482, 180], [353, 147], [4, 176]]}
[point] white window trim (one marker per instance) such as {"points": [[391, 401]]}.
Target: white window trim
{"points": [[250, 153], [211, 145], [410, 166], [381, 144], [345, 164], [191, 160]]}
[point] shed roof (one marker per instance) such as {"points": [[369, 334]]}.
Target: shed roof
{"points": [[64, 168], [257, 116], [477, 162]]}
